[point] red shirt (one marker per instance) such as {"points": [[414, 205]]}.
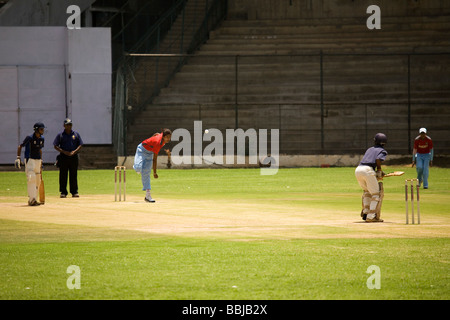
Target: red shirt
{"points": [[154, 143], [423, 146]]}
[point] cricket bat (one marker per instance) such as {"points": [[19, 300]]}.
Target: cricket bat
{"points": [[393, 174], [42, 191]]}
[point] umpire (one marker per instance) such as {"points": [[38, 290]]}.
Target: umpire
{"points": [[68, 143]]}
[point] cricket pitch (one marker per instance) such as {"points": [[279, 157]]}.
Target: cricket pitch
{"points": [[221, 219]]}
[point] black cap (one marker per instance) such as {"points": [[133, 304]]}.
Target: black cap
{"points": [[38, 125], [67, 121]]}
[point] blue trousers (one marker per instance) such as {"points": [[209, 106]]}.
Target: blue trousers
{"points": [[143, 162], [422, 168]]}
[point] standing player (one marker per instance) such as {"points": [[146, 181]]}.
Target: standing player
{"points": [[368, 173], [423, 156], [68, 143], [146, 158], [33, 161]]}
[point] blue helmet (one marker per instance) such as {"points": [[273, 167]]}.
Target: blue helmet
{"points": [[380, 139]]}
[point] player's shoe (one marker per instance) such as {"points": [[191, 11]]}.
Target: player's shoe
{"points": [[76, 195], [374, 220], [63, 195], [149, 200], [363, 215], [372, 217], [33, 203]]}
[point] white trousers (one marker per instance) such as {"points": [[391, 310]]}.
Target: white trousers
{"points": [[33, 172], [367, 179]]}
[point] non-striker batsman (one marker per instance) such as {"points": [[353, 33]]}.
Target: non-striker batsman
{"points": [[33, 161]]}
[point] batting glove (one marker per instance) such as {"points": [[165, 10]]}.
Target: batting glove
{"points": [[380, 175], [17, 163]]}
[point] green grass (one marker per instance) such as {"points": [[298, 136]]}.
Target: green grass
{"points": [[241, 183], [179, 268], [120, 264]]}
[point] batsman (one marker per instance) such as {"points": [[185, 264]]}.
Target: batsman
{"points": [[33, 162], [369, 176]]}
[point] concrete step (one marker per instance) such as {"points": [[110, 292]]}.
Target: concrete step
{"points": [[316, 45], [271, 78], [281, 88], [221, 35], [361, 97], [347, 25], [299, 65], [295, 135], [356, 38], [284, 99], [295, 115], [396, 49], [97, 157], [284, 91], [290, 75], [405, 21]]}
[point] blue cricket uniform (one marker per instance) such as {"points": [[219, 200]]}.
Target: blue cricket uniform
{"points": [[68, 142], [68, 165], [33, 165], [33, 146], [372, 154]]}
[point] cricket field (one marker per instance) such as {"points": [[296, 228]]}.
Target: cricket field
{"points": [[223, 234]]}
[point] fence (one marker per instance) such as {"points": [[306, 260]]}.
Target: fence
{"points": [[322, 103]]}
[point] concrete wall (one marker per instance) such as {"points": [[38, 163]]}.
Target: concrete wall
{"points": [[49, 73], [89, 80], [295, 9]]}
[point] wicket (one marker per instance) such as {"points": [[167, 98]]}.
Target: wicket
{"points": [[412, 182], [122, 185]]}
